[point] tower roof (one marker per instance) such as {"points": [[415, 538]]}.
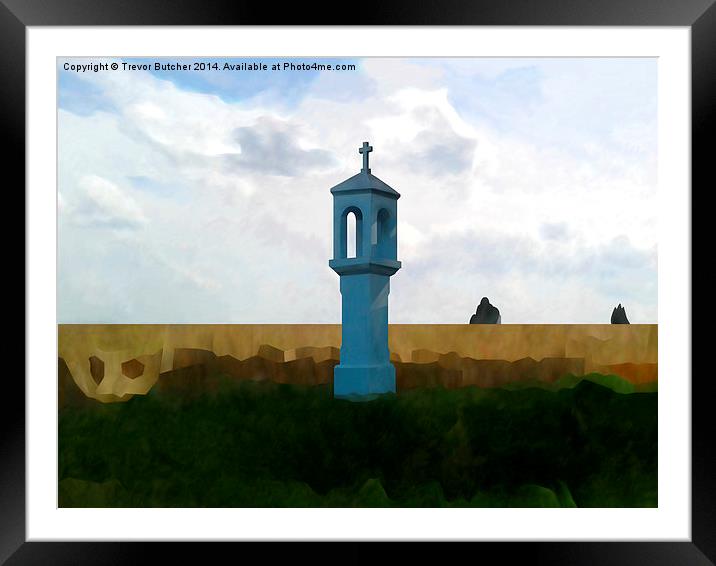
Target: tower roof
{"points": [[365, 182]]}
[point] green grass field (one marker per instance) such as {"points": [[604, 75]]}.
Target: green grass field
{"points": [[588, 442]]}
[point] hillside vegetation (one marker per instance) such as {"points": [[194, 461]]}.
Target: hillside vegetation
{"points": [[584, 442]]}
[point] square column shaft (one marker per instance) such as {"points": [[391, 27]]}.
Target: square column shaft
{"points": [[364, 299]]}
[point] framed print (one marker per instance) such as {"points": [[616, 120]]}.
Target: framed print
{"points": [[424, 276]]}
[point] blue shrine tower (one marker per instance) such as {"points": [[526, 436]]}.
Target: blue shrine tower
{"points": [[365, 367]]}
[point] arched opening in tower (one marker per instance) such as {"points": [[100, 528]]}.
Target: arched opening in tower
{"points": [[383, 234], [351, 232]]}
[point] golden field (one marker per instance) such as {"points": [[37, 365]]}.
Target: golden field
{"points": [[457, 351]]}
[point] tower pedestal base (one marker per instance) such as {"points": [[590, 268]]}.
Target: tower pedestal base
{"points": [[363, 381]]}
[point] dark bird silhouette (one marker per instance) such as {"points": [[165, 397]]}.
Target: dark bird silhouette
{"points": [[619, 315], [486, 313]]}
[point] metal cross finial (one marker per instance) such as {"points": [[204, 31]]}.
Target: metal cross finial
{"points": [[365, 150]]}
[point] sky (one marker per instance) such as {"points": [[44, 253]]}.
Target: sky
{"points": [[203, 196]]}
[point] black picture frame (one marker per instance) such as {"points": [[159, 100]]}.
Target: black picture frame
{"points": [[17, 15]]}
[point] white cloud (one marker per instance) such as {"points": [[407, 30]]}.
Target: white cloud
{"points": [[102, 203], [235, 214]]}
